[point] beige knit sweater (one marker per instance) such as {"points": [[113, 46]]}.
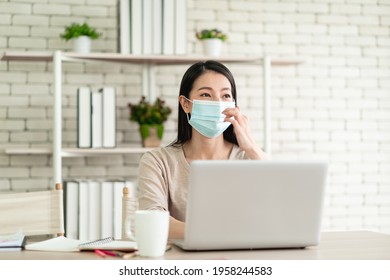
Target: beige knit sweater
{"points": [[163, 179]]}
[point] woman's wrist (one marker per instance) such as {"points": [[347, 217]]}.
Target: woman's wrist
{"points": [[256, 153], [176, 229]]}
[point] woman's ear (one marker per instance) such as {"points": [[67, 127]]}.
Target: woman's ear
{"points": [[185, 104]]}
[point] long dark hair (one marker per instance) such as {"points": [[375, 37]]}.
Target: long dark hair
{"points": [[184, 130]]}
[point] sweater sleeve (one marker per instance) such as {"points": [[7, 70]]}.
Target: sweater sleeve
{"points": [[152, 184]]}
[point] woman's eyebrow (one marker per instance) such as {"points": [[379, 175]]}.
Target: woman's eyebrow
{"points": [[202, 88], [209, 88]]}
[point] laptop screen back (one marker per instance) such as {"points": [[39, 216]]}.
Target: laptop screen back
{"points": [[254, 204]]}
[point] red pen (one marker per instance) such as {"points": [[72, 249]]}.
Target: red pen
{"points": [[109, 253], [100, 253]]}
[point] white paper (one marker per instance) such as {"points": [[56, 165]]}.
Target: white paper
{"points": [[59, 244]]}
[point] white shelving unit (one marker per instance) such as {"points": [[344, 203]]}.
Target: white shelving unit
{"points": [[76, 152], [149, 62]]}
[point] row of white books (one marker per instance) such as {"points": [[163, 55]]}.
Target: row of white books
{"points": [[96, 118], [93, 209], [153, 27]]}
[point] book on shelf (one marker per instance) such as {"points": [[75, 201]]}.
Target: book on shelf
{"points": [[153, 27], [93, 208], [147, 27], [136, 27], [168, 32], [157, 27], [71, 204], [180, 27], [107, 212], [109, 117], [124, 26], [97, 120], [12, 242], [84, 117], [83, 210]]}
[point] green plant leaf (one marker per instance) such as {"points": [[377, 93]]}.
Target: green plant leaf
{"points": [[211, 34], [149, 113], [160, 131], [76, 30], [145, 130]]}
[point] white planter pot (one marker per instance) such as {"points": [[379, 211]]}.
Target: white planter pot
{"points": [[212, 47], [82, 44]]}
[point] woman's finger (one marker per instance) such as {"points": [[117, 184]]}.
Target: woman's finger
{"points": [[241, 118]]}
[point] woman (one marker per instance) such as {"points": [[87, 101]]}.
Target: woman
{"points": [[210, 127]]}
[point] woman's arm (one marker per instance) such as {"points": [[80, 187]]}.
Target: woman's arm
{"points": [[153, 191], [176, 229]]}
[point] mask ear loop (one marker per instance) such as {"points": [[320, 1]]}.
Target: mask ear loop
{"points": [[189, 100], [188, 119]]}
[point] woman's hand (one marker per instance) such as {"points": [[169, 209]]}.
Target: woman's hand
{"points": [[243, 134], [176, 229]]}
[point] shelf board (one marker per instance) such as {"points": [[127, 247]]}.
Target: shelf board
{"points": [[27, 56], [139, 59], [76, 152], [286, 61]]}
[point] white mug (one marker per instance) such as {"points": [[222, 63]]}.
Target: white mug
{"points": [[151, 232]]}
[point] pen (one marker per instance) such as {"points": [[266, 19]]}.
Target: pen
{"points": [[100, 253], [110, 253]]}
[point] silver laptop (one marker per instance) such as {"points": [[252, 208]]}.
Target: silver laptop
{"points": [[250, 204]]}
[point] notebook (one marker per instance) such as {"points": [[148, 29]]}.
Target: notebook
{"points": [[251, 204], [109, 244], [63, 244], [12, 242]]}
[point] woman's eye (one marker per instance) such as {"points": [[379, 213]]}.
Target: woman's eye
{"points": [[205, 95], [227, 96]]}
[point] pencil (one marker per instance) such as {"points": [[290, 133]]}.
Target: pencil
{"points": [[110, 253], [100, 253]]}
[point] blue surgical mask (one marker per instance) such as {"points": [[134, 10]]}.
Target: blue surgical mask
{"points": [[207, 117]]}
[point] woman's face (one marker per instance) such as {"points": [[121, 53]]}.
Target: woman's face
{"points": [[211, 86]]}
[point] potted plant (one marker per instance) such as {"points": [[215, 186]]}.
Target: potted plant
{"points": [[82, 34], [212, 40], [151, 118]]}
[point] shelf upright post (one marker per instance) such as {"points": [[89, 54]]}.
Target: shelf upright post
{"points": [[57, 125], [267, 104], [145, 80], [152, 82], [148, 81]]}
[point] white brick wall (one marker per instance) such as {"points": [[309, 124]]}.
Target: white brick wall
{"points": [[335, 106]]}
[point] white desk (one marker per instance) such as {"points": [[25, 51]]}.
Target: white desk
{"points": [[357, 245]]}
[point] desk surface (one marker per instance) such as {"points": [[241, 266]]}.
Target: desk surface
{"points": [[354, 245]]}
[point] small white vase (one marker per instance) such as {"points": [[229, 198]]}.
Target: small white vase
{"points": [[82, 44], [212, 47]]}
